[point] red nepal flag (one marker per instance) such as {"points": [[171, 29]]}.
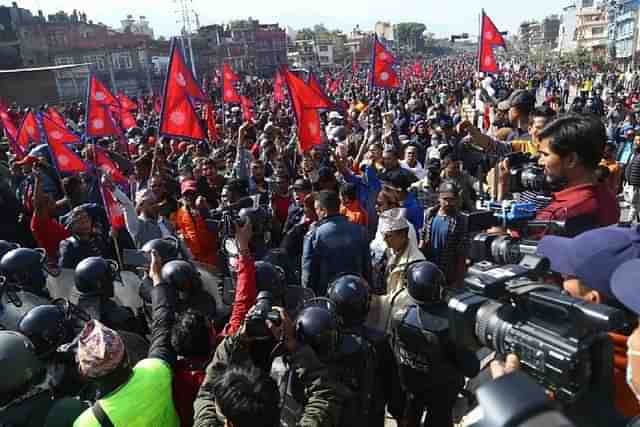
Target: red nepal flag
{"points": [[28, 132], [99, 117], [65, 160], [56, 133], [212, 128], [303, 95], [417, 69], [127, 121], [7, 123], [278, 92], [247, 109], [126, 103], [315, 85], [114, 212], [103, 162], [490, 37], [178, 117], [180, 78], [56, 116], [229, 93], [383, 73], [309, 131]]}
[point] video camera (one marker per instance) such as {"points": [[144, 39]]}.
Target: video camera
{"points": [[556, 337], [526, 175]]}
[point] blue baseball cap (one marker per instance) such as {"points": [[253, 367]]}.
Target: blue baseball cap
{"points": [[592, 256], [625, 284]]}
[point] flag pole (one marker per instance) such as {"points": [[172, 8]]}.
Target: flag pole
{"points": [[481, 22]]}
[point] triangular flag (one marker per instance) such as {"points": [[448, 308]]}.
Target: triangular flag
{"points": [[57, 133], [103, 162], [63, 157], [56, 116], [28, 133], [113, 209], [101, 108], [229, 93], [382, 72], [126, 103], [490, 37], [247, 109]]}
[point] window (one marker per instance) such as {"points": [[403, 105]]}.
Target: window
{"points": [[121, 61], [324, 48], [98, 60], [64, 60], [597, 31]]}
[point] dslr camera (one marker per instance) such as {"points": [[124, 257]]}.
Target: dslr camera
{"points": [[556, 337], [256, 321]]}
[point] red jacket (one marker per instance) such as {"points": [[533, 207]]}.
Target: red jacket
{"points": [[187, 378], [245, 297]]}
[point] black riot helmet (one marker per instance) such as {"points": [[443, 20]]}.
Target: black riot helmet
{"points": [[270, 278], [6, 246], [425, 282], [317, 326], [46, 327], [95, 276], [258, 217], [350, 294], [168, 248], [25, 268], [20, 366], [183, 276]]}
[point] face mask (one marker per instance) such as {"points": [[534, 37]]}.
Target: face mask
{"points": [[631, 353]]}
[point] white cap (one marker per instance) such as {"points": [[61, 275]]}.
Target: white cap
{"points": [[393, 220]]}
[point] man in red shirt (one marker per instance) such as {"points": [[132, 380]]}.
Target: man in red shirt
{"points": [[47, 231], [570, 150]]}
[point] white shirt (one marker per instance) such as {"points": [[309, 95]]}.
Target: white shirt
{"points": [[418, 170]]}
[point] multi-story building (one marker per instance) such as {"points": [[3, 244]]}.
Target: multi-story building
{"points": [[567, 32], [625, 31], [247, 45], [592, 29]]}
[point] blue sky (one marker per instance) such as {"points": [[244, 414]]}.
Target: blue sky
{"points": [[443, 17]]}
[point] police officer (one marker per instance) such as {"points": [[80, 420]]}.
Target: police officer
{"points": [[25, 284], [376, 370], [24, 399], [185, 278], [94, 290], [431, 368]]}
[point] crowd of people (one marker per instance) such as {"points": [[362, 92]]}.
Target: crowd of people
{"points": [[319, 258]]}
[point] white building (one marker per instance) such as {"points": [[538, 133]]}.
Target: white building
{"points": [[567, 34]]}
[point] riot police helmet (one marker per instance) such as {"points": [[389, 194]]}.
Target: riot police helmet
{"points": [[168, 248], [271, 278], [350, 294], [6, 246], [258, 218], [95, 276], [182, 275], [425, 282], [45, 326], [21, 368], [25, 268], [317, 326]]}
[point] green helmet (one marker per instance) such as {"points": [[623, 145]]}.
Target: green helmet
{"points": [[18, 363]]}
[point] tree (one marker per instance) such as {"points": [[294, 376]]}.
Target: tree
{"points": [[410, 34], [320, 29]]}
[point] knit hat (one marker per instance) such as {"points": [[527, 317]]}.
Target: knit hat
{"points": [[100, 350]]}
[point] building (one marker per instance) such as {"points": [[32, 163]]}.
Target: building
{"points": [[550, 31], [248, 46], [624, 32], [130, 25], [592, 29], [384, 30], [567, 32]]}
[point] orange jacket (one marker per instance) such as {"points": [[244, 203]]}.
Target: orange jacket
{"points": [[202, 243], [625, 401], [354, 213]]}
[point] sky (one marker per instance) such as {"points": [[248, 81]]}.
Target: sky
{"points": [[442, 17]]}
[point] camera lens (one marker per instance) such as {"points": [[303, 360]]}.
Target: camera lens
{"points": [[504, 250], [533, 179], [492, 324]]}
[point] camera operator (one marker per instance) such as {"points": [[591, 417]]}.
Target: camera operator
{"points": [[319, 402], [586, 263]]}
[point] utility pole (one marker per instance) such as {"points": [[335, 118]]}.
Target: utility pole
{"points": [[185, 12]]}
